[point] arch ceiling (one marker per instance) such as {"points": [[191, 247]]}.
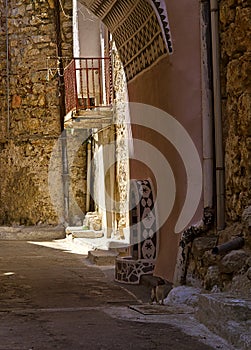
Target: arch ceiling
{"points": [[140, 29]]}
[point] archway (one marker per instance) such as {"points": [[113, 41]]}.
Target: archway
{"points": [[140, 30], [172, 83]]}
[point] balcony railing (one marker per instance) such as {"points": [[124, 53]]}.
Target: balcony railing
{"points": [[88, 84]]}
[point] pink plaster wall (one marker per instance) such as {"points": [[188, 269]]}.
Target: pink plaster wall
{"points": [[173, 85]]}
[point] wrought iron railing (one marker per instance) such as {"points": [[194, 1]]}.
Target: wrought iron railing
{"points": [[88, 83]]}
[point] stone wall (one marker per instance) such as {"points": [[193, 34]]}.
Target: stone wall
{"points": [[231, 270], [123, 139], [235, 40], [27, 139]]}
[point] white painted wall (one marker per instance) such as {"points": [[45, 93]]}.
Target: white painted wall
{"points": [[88, 42], [88, 32]]}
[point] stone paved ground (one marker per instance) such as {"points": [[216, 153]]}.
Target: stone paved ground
{"points": [[50, 298]]}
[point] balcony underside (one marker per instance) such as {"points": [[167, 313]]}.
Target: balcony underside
{"points": [[89, 119]]}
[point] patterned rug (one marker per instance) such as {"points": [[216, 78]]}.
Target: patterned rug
{"points": [[144, 235]]}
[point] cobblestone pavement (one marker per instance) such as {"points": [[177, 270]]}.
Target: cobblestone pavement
{"points": [[51, 298]]}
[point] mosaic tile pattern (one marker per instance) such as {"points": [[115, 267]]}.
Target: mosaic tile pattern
{"points": [[129, 271], [140, 29], [143, 220], [144, 235], [159, 7]]}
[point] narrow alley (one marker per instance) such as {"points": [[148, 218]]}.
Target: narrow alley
{"points": [[125, 175], [51, 298]]}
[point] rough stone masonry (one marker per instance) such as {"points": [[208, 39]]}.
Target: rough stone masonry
{"points": [[231, 270], [29, 114], [235, 41]]}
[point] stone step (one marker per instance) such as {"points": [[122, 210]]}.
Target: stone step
{"points": [[87, 234], [102, 257], [79, 232], [29, 233], [227, 316]]}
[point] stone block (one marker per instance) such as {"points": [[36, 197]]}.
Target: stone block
{"points": [[87, 234], [16, 101], [241, 285], [249, 273], [246, 216], [233, 261], [183, 295], [202, 244], [35, 233], [212, 277], [229, 233], [228, 317], [102, 257]]}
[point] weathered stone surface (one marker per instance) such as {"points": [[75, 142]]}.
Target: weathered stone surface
{"points": [[249, 273], [93, 221], [183, 295], [246, 217], [16, 101], [229, 233], [25, 196], [236, 22], [233, 261], [227, 316], [210, 259], [77, 177], [222, 271], [246, 223], [236, 67], [201, 244], [248, 261], [10, 230], [36, 233], [235, 44], [122, 146], [90, 234], [212, 277], [31, 126], [102, 257], [241, 284]]}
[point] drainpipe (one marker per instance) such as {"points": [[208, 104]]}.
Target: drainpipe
{"points": [[219, 160], [206, 99], [65, 176], [60, 64], [88, 180], [235, 244], [62, 110], [7, 68]]}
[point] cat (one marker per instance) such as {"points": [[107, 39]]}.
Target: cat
{"points": [[160, 291]]}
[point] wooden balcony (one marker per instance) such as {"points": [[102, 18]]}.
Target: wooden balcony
{"points": [[88, 92]]}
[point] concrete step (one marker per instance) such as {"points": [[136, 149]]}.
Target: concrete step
{"points": [[102, 257], [227, 316]]}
